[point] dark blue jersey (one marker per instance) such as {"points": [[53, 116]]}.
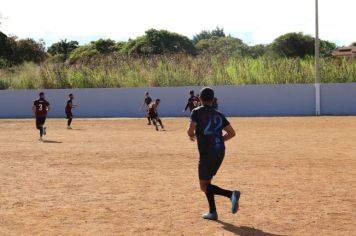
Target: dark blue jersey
{"points": [[210, 123]]}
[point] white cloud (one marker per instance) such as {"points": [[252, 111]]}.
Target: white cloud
{"points": [[261, 20]]}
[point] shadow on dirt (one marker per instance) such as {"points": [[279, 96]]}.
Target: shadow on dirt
{"points": [[244, 230], [50, 141]]}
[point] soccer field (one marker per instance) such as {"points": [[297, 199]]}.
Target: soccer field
{"points": [[120, 177]]}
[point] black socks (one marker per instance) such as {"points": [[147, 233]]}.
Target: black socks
{"points": [[215, 190], [41, 131], [219, 191], [69, 121], [211, 201], [160, 122]]}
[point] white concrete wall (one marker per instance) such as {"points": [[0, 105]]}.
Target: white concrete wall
{"points": [[252, 100]]}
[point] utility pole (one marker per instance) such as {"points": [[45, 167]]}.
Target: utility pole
{"points": [[317, 61]]}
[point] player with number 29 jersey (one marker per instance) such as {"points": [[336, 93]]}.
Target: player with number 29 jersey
{"points": [[210, 123]]}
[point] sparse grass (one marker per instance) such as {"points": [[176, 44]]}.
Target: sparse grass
{"points": [[176, 70]]}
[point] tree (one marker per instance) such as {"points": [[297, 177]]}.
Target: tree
{"points": [[159, 42], [63, 48], [82, 53], [104, 45], [224, 46], [257, 50], [353, 44], [206, 34], [299, 45], [30, 50], [3, 40]]}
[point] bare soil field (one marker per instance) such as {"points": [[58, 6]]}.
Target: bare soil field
{"points": [[121, 177]]}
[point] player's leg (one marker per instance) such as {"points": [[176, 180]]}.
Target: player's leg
{"points": [[234, 196], [205, 176], [160, 122], [153, 118], [43, 126], [39, 125], [69, 120], [148, 118]]}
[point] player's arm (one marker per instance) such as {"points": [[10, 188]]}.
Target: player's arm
{"points": [[186, 107], [191, 130], [72, 105], [230, 133], [34, 109], [141, 107], [49, 108]]}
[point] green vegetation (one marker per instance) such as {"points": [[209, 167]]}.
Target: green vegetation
{"points": [[163, 58], [174, 70]]}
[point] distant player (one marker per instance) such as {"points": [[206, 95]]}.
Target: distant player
{"points": [[193, 102], [40, 109], [207, 125], [147, 102], [153, 113], [215, 103], [68, 110]]}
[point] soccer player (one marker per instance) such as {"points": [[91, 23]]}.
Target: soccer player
{"points": [[147, 101], [193, 102], [153, 114], [68, 110], [207, 125], [215, 103], [40, 109]]}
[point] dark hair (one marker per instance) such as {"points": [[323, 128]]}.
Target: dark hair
{"points": [[207, 94], [191, 91], [41, 94], [71, 94], [146, 93], [158, 100]]}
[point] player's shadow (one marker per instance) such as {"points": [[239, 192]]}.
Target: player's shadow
{"points": [[51, 141], [244, 230]]}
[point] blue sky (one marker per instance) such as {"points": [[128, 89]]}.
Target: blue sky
{"points": [[254, 21]]}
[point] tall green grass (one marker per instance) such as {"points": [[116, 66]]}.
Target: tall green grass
{"points": [[177, 70]]}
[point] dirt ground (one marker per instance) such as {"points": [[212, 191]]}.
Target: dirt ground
{"points": [[120, 177]]}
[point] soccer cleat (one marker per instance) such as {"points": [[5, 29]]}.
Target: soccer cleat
{"points": [[41, 139], [44, 131], [235, 197], [210, 216], [69, 127], [156, 127]]}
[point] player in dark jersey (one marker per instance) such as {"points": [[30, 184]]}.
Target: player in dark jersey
{"points": [[153, 114], [68, 110], [193, 102], [207, 126], [215, 103], [40, 109], [147, 102]]}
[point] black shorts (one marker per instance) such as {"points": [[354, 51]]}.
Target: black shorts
{"points": [[153, 115], [40, 121], [209, 164], [69, 115]]}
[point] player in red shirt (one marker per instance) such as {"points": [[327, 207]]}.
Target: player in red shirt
{"points": [[40, 109], [193, 102], [69, 106], [153, 114]]}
